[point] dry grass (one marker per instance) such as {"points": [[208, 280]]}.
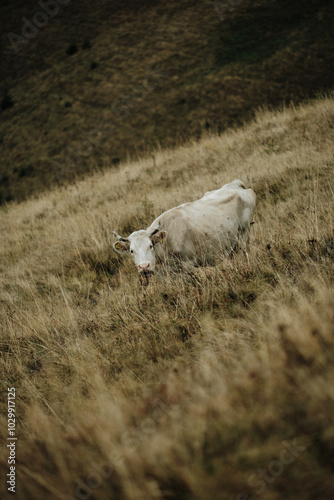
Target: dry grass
{"points": [[187, 389]]}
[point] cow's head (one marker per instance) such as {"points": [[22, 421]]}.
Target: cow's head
{"points": [[140, 245]]}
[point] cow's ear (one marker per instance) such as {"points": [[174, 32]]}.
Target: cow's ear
{"points": [[121, 246], [158, 237]]}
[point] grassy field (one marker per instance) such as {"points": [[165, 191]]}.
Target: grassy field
{"points": [[158, 72], [215, 386]]}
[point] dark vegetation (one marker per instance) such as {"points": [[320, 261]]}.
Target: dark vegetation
{"points": [[90, 61], [7, 101]]}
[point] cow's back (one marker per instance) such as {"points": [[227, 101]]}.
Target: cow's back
{"points": [[200, 230]]}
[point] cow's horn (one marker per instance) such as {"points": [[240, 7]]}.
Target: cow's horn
{"points": [[155, 231], [117, 235], [119, 238]]}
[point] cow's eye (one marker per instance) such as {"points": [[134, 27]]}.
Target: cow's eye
{"points": [[151, 246], [131, 251]]}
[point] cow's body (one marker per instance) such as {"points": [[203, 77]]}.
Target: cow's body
{"points": [[195, 233]]}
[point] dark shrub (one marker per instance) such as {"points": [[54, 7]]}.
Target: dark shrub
{"points": [[72, 49], [7, 101], [26, 171], [4, 178]]}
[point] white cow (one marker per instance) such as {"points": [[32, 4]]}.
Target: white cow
{"points": [[194, 233]]}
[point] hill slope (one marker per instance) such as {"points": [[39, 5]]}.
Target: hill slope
{"points": [[215, 386], [101, 82]]}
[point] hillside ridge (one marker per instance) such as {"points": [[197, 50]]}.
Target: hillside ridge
{"points": [[78, 96]]}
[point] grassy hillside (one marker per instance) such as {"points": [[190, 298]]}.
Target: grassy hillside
{"points": [[102, 82], [216, 386]]}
